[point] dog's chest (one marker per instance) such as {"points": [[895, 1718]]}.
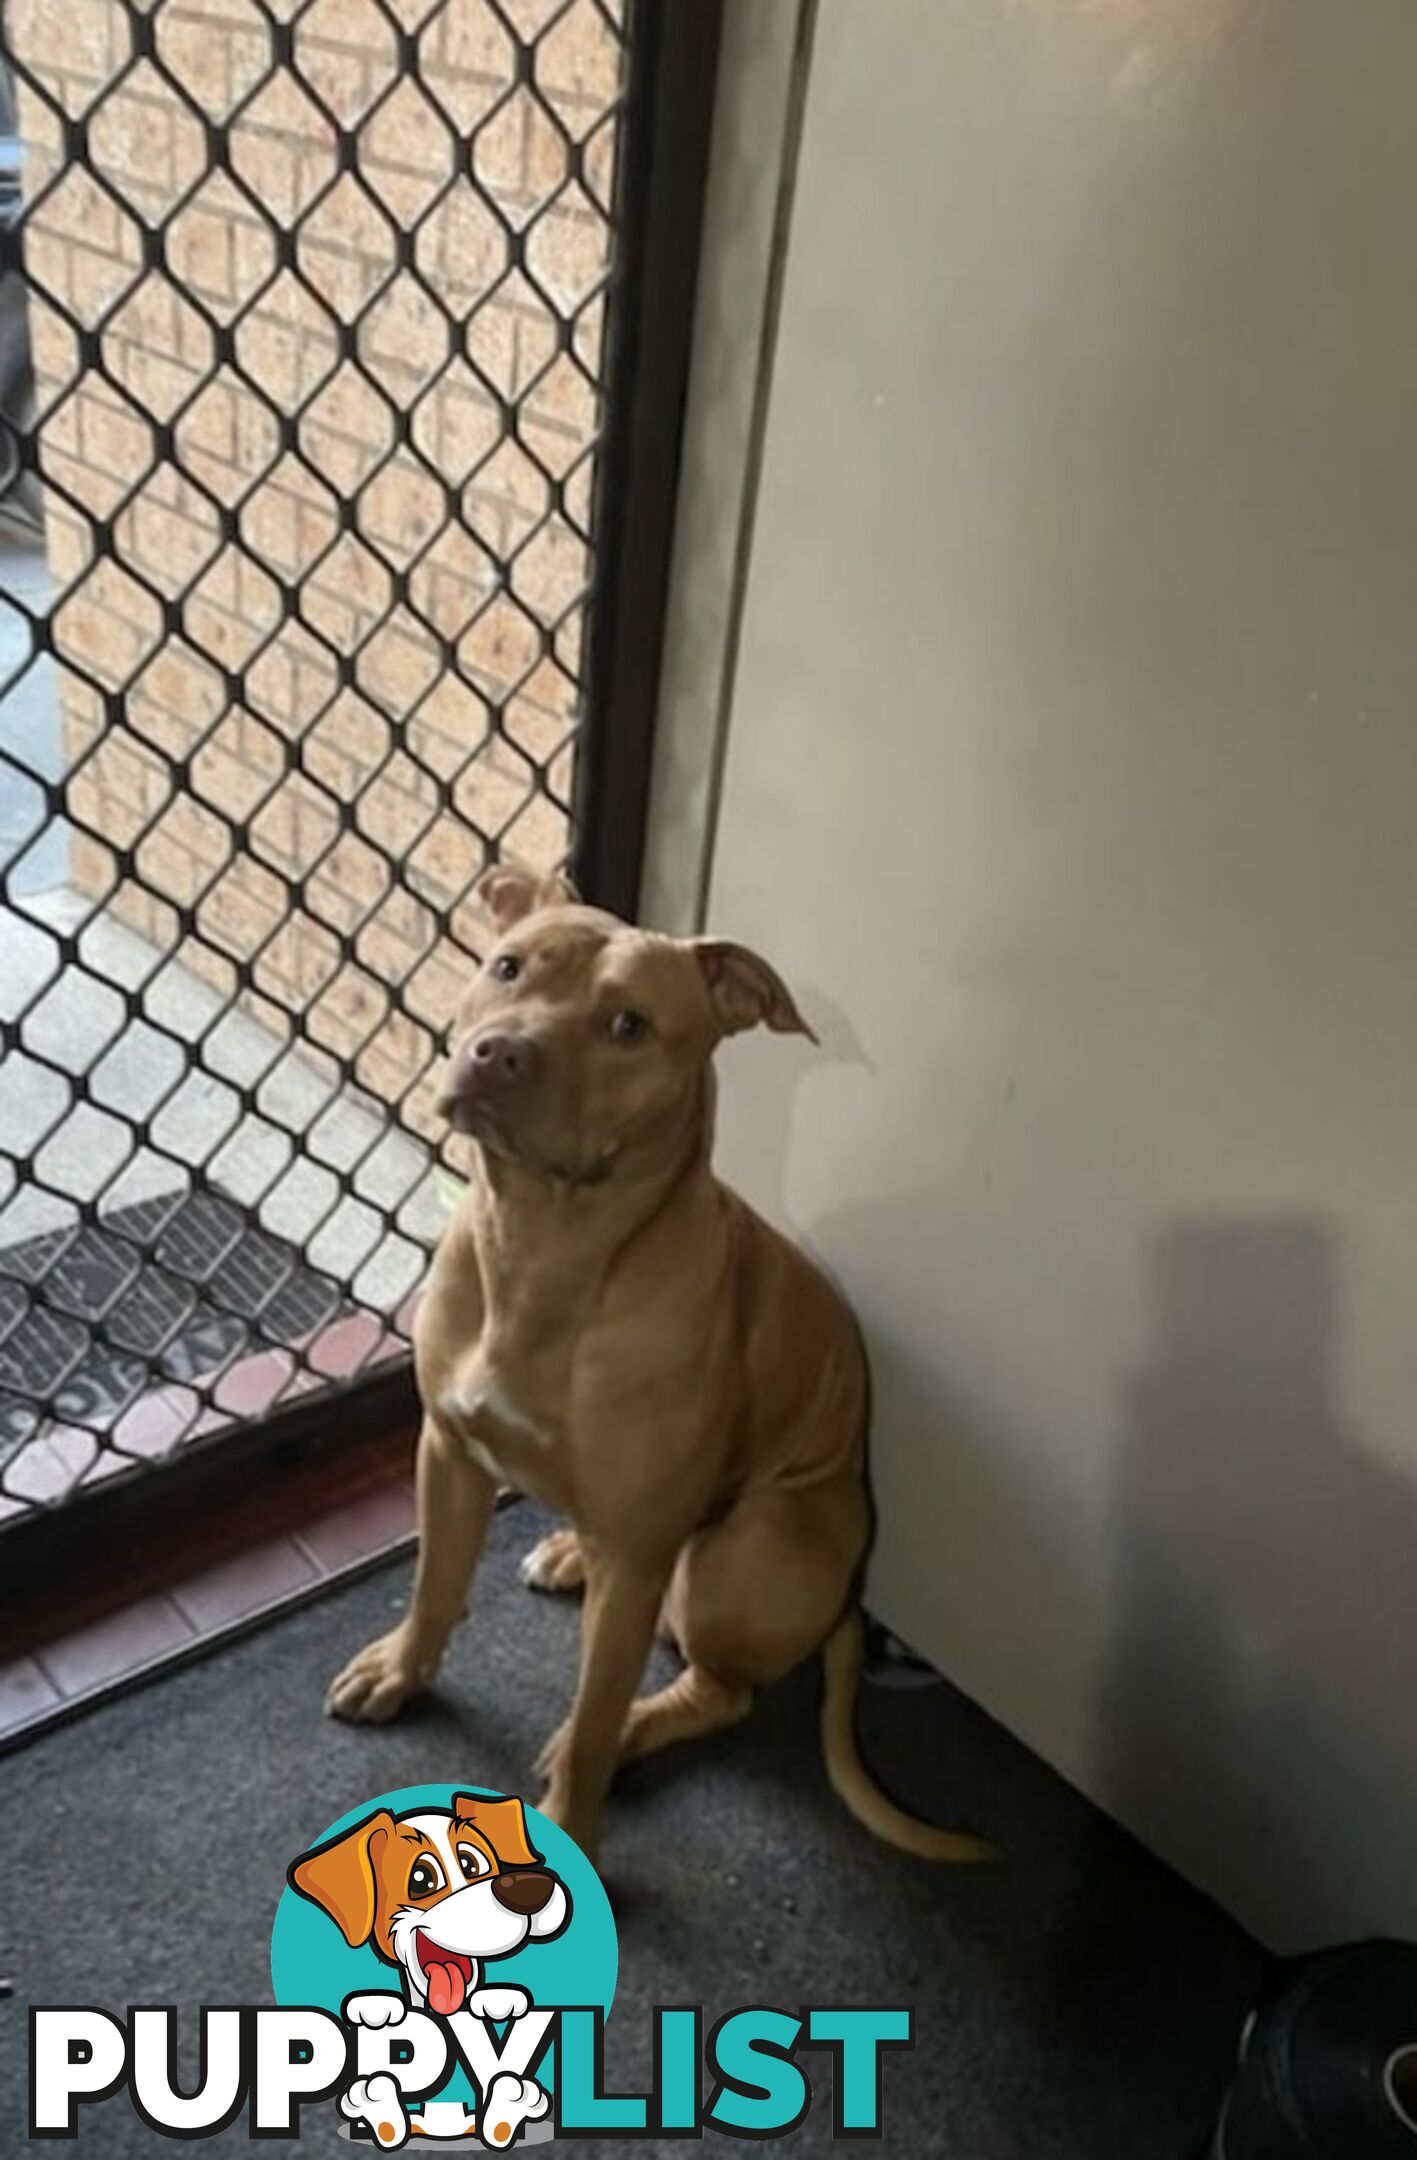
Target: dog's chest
{"points": [[507, 1421]]}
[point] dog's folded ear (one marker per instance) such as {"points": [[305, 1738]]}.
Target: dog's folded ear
{"points": [[502, 1823], [744, 991], [339, 1877], [508, 891]]}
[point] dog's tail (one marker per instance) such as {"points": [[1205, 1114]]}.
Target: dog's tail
{"points": [[851, 1781]]}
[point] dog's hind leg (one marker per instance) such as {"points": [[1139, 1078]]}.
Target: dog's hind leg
{"points": [[669, 1627], [556, 1563], [692, 1704]]}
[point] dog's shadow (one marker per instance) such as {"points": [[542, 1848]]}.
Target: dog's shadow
{"points": [[761, 1078]]}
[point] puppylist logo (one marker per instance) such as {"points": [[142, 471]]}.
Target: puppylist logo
{"points": [[443, 1960]]}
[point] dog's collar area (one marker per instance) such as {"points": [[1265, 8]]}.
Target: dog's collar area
{"points": [[548, 1173], [577, 1180]]}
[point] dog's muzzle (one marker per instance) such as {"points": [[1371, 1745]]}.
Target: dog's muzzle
{"points": [[485, 1072], [523, 1890]]}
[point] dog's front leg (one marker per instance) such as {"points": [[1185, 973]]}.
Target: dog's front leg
{"points": [[617, 1626], [455, 1497]]}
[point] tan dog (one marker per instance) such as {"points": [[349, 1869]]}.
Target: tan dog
{"points": [[607, 1327]]}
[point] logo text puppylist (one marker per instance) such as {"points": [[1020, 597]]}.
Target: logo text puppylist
{"points": [[443, 1960]]}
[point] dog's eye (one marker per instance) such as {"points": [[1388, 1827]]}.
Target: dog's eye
{"points": [[628, 1026], [426, 1877], [472, 1862], [506, 968]]}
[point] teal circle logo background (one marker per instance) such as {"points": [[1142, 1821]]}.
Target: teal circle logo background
{"points": [[311, 1963]]}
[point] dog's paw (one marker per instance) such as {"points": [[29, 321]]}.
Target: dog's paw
{"points": [[498, 2003], [508, 2103], [556, 1562], [378, 2102], [383, 2008], [376, 1683]]}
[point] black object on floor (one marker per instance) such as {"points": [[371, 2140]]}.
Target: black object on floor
{"points": [[1328, 2064], [1077, 2003]]}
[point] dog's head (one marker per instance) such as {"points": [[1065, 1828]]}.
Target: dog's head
{"points": [[582, 1043], [437, 1891]]}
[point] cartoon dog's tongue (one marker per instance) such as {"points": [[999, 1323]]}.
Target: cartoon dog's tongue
{"points": [[446, 1988], [447, 1974]]}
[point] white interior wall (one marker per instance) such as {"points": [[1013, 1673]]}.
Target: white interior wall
{"points": [[1071, 777]]}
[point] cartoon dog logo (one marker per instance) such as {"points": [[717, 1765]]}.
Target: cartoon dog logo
{"points": [[438, 1893]]}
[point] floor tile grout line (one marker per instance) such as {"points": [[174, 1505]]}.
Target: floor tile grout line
{"points": [[258, 1554], [202, 1642], [307, 1552], [162, 1597], [198, 1646]]}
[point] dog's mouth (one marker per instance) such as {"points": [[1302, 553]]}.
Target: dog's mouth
{"points": [[447, 1974]]}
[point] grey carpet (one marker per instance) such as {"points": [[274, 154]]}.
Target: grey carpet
{"points": [[1078, 2003]]}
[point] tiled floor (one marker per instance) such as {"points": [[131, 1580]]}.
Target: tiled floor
{"points": [[167, 1592]]}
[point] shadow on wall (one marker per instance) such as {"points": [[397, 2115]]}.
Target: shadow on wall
{"points": [[1251, 1676], [759, 1076], [1261, 1696]]}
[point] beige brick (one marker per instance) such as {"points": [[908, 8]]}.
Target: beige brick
{"points": [[464, 687], [108, 626], [233, 609], [346, 51], [184, 850], [453, 579], [404, 340], [346, 745], [74, 55], [449, 726], [346, 248], [288, 342], [347, 885], [82, 246], [238, 765], [289, 521], [218, 49], [158, 347], [176, 700], [169, 532], [400, 663], [146, 144], [283, 147], [406, 153], [219, 247], [462, 248], [401, 508]]}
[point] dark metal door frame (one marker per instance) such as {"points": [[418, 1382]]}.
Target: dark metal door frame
{"points": [[664, 170]]}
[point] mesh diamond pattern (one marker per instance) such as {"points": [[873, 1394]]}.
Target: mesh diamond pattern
{"points": [[295, 558]]}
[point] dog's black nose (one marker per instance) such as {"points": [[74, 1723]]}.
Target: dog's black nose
{"points": [[487, 1068], [499, 1057], [524, 1890]]}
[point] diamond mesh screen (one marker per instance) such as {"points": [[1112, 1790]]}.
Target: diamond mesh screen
{"points": [[302, 332]]}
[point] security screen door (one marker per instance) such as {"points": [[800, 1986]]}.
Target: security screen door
{"points": [[325, 398]]}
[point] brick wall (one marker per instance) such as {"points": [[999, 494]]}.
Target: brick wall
{"points": [[324, 664]]}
